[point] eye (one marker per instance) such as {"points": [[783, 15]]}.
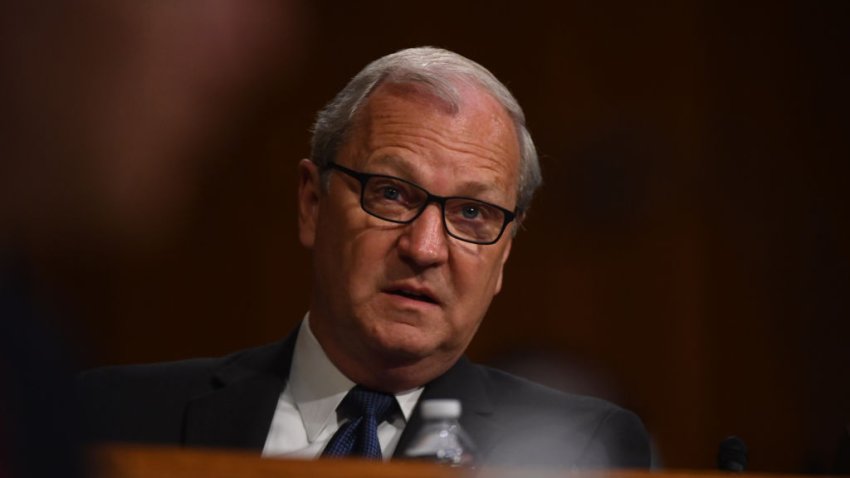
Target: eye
{"points": [[470, 212], [389, 192], [385, 191]]}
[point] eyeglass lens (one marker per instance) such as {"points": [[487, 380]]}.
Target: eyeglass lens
{"points": [[396, 200]]}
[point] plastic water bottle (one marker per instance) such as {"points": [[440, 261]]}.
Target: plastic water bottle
{"points": [[441, 438]]}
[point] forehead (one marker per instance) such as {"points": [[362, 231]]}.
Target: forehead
{"points": [[458, 149]]}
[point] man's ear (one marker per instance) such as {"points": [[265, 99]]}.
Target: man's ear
{"points": [[309, 191]]}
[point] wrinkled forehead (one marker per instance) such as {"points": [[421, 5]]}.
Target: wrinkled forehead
{"points": [[455, 98]]}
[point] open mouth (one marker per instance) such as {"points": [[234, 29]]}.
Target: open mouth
{"points": [[413, 295]]}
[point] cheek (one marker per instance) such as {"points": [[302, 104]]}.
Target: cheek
{"points": [[364, 262], [351, 244], [485, 259], [332, 252], [477, 280], [337, 225]]}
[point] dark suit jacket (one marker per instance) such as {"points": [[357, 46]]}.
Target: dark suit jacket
{"points": [[230, 401]]}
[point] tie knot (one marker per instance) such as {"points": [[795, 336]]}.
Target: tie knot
{"points": [[361, 401]]}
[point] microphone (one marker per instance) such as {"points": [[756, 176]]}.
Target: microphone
{"points": [[732, 455]]}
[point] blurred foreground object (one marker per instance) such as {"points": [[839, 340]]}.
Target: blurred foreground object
{"points": [[732, 455], [37, 418], [113, 113], [149, 462], [442, 439]]}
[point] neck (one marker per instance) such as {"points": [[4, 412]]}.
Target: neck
{"points": [[392, 378]]}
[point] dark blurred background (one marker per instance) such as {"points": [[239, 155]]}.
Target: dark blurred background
{"points": [[687, 256]]}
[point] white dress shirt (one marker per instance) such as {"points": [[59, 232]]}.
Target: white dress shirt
{"points": [[305, 418]]}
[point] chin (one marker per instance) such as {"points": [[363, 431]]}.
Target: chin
{"points": [[404, 347]]}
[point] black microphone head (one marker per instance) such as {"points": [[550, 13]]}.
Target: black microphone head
{"points": [[732, 455]]}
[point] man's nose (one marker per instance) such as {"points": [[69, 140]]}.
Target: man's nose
{"points": [[424, 241]]}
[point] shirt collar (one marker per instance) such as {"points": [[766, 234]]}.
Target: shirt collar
{"points": [[318, 387]]}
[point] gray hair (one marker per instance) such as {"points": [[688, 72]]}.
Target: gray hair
{"points": [[439, 70]]}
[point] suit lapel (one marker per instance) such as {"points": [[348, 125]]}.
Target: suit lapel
{"points": [[238, 411], [465, 382]]}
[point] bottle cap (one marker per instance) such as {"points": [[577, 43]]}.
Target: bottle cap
{"points": [[443, 408]]}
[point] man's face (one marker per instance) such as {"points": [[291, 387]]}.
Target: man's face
{"points": [[408, 295]]}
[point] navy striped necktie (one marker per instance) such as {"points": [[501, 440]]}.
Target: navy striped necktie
{"points": [[365, 409]]}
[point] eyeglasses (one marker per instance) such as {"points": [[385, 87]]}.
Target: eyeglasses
{"points": [[396, 200]]}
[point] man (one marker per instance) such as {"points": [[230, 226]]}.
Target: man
{"points": [[420, 171]]}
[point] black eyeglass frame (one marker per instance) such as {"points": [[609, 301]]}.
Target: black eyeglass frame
{"points": [[363, 178]]}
